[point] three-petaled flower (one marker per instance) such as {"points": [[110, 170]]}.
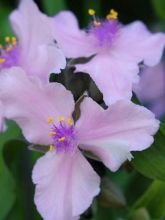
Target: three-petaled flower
{"points": [[118, 50], [65, 181]]}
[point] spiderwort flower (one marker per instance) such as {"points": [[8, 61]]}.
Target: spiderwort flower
{"points": [[65, 181], [118, 50], [151, 89], [33, 48]]}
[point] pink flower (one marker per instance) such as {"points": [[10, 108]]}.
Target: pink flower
{"points": [[151, 88], [118, 50], [65, 182], [36, 52]]}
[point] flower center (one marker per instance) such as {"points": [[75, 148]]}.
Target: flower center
{"points": [[9, 53], [106, 30], [63, 135]]}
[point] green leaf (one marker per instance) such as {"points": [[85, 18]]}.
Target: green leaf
{"points": [[153, 200], [141, 214], [7, 184], [111, 194], [76, 113], [162, 128], [104, 213], [4, 23], [53, 6], [159, 6], [151, 162], [18, 158]]}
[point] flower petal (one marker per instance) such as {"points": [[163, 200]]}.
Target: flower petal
{"points": [[147, 90], [137, 44], [2, 116], [39, 54], [65, 185], [123, 123], [151, 88], [158, 107], [74, 43], [30, 103], [112, 152], [114, 77]]}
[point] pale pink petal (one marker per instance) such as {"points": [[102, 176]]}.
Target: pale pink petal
{"points": [[65, 185], [30, 103], [67, 19], [158, 107], [152, 83], [2, 118], [49, 59], [136, 43], [112, 152], [114, 77], [36, 41], [123, 122], [151, 88], [73, 41]]}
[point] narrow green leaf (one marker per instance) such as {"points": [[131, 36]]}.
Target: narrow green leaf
{"points": [[7, 184], [153, 200], [53, 6], [151, 162]]}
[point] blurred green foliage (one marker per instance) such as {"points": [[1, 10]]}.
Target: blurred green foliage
{"points": [[150, 162], [7, 183], [153, 200], [159, 6], [53, 7]]}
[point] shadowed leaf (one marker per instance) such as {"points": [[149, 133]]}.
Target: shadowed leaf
{"points": [[7, 184]]}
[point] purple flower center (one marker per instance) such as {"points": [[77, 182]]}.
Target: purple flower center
{"points": [[9, 54], [105, 32], [63, 135]]}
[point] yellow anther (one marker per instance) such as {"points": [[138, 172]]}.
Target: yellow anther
{"points": [[51, 133], [14, 43], [2, 60], [91, 12], [70, 122], [61, 139], [7, 39], [9, 48], [14, 40], [1, 46], [50, 120], [97, 23], [112, 15], [51, 147], [62, 118], [113, 12]]}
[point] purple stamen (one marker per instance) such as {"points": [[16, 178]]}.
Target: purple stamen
{"points": [[106, 32], [63, 136], [10, 57]]}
